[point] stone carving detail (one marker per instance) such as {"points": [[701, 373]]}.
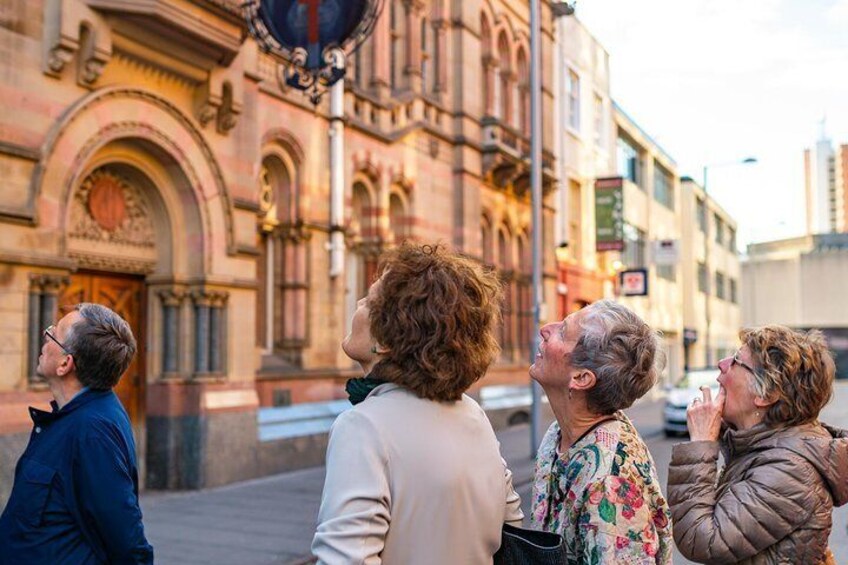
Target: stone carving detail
{"points": [[111, 263], [57, 58], [41, 283], [107, 208], [71, 28]]}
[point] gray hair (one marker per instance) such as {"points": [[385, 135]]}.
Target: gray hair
{"points": [[102, 345], [623, 352]]}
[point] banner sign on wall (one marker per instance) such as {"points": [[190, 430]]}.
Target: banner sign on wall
{"points": [[609, 214]]}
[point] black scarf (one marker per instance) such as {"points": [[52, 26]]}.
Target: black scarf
{"points": [[358, 389]]}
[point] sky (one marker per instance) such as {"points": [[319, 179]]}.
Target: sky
{"points": [[714, 82]]}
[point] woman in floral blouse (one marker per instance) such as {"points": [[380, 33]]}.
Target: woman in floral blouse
{"points": [[595, 481]]}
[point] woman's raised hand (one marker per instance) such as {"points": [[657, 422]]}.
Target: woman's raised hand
{"points": [[704, 415]]}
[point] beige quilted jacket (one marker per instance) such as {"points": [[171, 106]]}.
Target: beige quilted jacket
{"points": [[772, 503]]}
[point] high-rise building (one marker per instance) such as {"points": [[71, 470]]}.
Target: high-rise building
{"points": [[825, 181]]}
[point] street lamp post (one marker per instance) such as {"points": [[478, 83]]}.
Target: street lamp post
{"points": [[708, 354], [563, 8], [536, 197]]}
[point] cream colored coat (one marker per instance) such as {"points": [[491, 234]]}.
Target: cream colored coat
{"points": [[412, 481]]}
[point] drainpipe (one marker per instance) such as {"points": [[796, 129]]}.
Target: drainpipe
{"points": [[337, 186]]}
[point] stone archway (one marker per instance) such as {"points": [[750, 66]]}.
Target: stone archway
{"points": [[128, 190]]}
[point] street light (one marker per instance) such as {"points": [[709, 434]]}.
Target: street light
{"points": [[707, 294], [565, 8]]}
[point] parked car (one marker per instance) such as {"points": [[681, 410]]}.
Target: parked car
{"points": [[682, 394]]}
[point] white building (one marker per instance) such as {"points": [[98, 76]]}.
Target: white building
{"points": [[651, 213], [585, 151], [711, 314]]}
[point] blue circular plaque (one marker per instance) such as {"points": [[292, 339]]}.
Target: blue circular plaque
{"points": [[313, 25]]}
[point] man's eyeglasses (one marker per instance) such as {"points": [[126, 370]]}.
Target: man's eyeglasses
{"points": [[738, 361], [49, 333]]}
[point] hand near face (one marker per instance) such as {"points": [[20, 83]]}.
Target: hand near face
{"points": [[704, 415]]}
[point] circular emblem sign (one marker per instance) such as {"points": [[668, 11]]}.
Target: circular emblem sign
{"points": [[312, 25], [106, 202]]}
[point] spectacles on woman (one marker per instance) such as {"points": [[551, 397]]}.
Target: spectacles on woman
{"points": [[48, 332], [736, 359]]}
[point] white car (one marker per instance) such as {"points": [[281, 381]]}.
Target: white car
{"points": [[682, 394]]}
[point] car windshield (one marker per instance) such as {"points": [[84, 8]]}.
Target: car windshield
{"points": [[697, 379]]}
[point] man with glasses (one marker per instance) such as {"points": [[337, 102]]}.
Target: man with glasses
{"points": [[75, 495]]}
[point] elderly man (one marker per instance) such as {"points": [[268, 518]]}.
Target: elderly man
{"points": [[75, 496]]}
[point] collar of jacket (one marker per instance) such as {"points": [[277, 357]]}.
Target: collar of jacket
{"points": [[382, 389], [44, 417]]}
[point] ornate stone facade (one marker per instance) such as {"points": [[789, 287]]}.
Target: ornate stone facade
{"points": [[159, 149]]}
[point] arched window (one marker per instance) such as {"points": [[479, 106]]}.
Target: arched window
{"points": [[523, 92], [398, 218], [366, 249], [503, 92], [523, 284], [486, 243], [283, 264], [505, 270], [488, 74]]}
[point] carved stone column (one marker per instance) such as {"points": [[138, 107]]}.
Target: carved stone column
{"points": [[202, 301], [217, 331], [172, 300], [43, 302], [413, 10], [440, 56], [380, 55]]}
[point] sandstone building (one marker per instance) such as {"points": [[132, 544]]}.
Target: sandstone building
{"points": [[152, 161]]}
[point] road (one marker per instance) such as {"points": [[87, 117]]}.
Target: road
{"points": [[271, 520]]}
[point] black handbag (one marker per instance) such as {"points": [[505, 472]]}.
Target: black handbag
{"points": [[529, 547]]}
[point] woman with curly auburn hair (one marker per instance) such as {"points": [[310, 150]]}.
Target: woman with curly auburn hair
{"points": [[783, 472], [414, 471]]}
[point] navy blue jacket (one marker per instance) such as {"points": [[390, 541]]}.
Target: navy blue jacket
{"points": [[75, 496]]}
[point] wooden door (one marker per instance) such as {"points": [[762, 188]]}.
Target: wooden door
{"points": [[124, 295]]}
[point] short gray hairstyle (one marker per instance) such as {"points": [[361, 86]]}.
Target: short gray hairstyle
{"points": [[102, 345], [623, 352]]}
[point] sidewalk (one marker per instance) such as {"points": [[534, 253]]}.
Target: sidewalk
{"points": [[271, 520]]}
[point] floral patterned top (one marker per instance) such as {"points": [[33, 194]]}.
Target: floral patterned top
{"points": [[603, 496]]}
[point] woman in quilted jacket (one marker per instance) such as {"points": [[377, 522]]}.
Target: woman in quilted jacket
{"points": [[784, 471]]}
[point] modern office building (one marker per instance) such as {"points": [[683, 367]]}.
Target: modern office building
{"points": [[826, 187]]}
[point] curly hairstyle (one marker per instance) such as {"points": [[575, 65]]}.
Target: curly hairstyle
{"points": [[435, 314], [794, 368], [622, 350]]}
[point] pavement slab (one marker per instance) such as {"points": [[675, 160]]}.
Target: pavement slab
{"points": [[271, 520]]}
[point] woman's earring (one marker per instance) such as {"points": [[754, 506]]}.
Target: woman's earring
{"points": [[374, 349], [569, 394]]}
